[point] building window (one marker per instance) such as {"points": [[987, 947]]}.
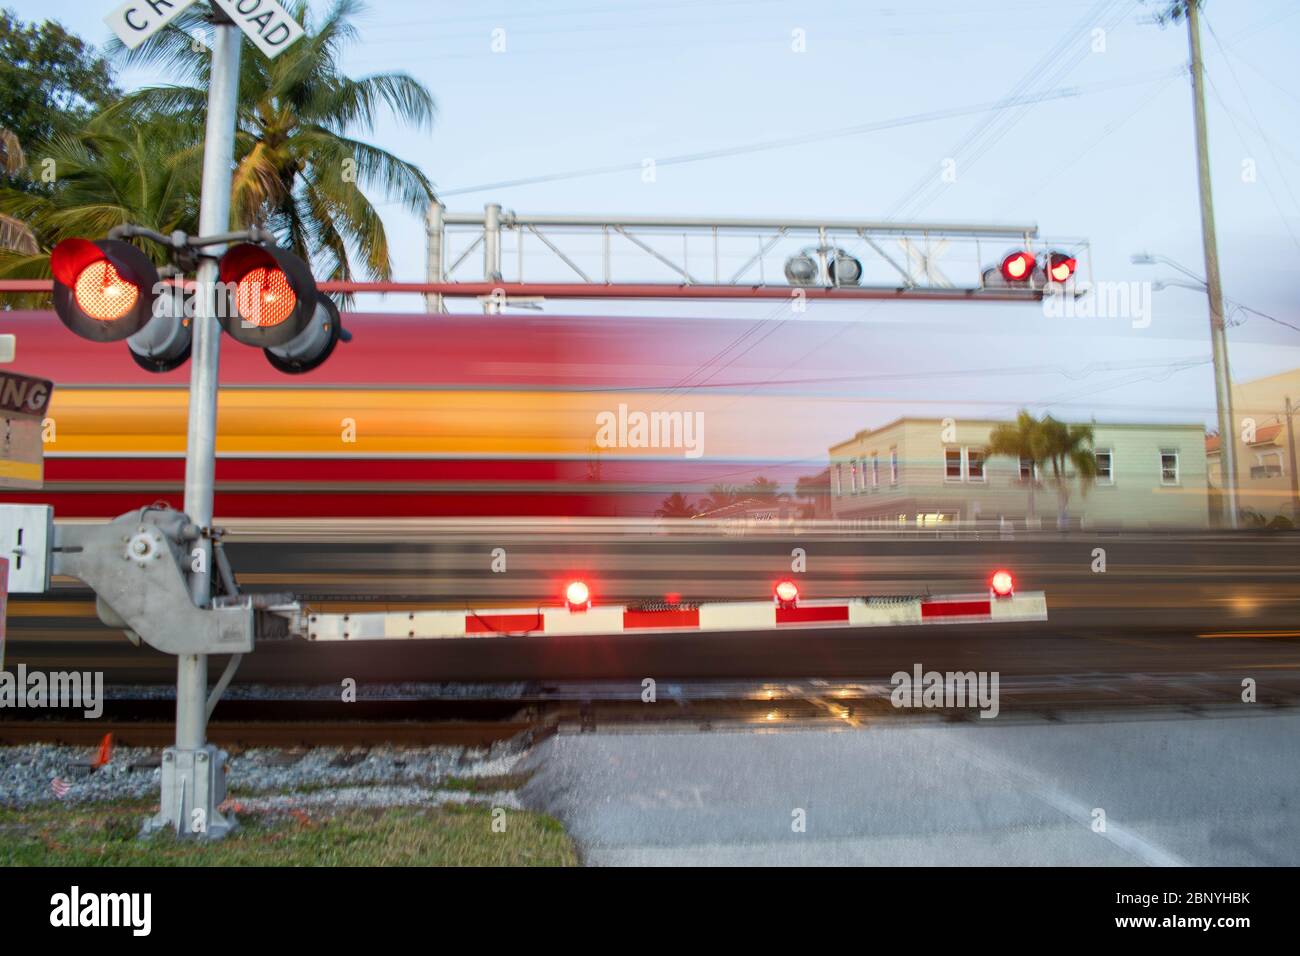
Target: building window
{"points": [[1105, 467], [952, 464], [853, 475], [1168, 466], [1268, 465], [1028, 471], [975, 464], [839, 478], [893, 466], [875, 471]]}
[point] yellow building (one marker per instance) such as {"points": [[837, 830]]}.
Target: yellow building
{"points": [[930, 472], [1266, 448]]}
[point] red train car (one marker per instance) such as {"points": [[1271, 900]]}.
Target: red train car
{"points": [[445, 415]]}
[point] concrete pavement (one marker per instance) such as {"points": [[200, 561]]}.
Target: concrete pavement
{"points": [[1191, 791]]}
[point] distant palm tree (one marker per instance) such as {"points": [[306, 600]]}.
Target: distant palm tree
{"points": [[765, 490], [1023, 441], [15, 235], [1066, 447], [719, 496], [675, 506], [299, 169]]}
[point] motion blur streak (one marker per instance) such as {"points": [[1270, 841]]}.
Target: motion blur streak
{"points": [[428, 416]]}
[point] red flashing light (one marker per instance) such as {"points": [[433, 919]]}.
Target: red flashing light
{"points": [[1002, 584], [264, 297], [1060, 266], [103, 294], [1018, 266], [786, 592], [577, 596]]}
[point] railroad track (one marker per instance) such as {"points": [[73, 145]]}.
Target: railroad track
{"points": [[500, 712]]}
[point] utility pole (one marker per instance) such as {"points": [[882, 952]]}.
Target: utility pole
{"points": [[1213, 285], [1295, 479], [193, 771]]}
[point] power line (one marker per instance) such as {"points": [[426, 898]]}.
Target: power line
{"points": [[1265, 315], [1250, 107], [985, 134], [790, 141]]}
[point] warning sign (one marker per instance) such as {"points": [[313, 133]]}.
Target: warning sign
{"points": [[23, 404]]}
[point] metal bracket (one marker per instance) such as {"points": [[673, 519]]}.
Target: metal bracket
{"points": [[135, 566], [26, 533]]}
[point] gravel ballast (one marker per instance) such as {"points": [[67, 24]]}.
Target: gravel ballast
{"points": [[378, 776]]}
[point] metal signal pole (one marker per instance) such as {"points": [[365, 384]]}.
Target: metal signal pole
{"points": [[1213, 285], [193, 779]]}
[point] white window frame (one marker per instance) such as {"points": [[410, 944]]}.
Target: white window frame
{"points": [[984, 465], [875, 470], [853, 476], [893, 466], [1264, 458], [1178, 469], [1110, 452], [961, 463]]}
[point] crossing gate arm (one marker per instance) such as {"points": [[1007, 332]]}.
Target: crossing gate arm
{"points": [[608, 620]]}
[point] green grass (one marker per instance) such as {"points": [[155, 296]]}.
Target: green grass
{"points": [[510, 781], [105, 835]]}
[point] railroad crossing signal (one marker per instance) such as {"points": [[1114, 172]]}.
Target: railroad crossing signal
{"points": [[269, 300], [1020, 268], [107, 290]]}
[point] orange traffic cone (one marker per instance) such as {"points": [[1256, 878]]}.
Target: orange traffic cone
{"points": [[105, 752]]}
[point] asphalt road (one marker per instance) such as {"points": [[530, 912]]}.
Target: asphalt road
{"points": [[1194, 791]]}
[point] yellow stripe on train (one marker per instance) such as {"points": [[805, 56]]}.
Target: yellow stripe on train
{"points": [[447, 422]]}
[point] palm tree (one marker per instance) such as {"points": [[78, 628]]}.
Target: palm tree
{"points": [[15, 235], [1066, 447], [109, 174], [1049, 442], [1023, 441], [675, 506], [300, 171], [765, 490], [719, 496]]}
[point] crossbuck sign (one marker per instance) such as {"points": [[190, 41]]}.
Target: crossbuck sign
{"points": [[265, 22]]}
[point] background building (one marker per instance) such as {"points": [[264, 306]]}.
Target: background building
{"points": [[928, 471], [1266, 478]]}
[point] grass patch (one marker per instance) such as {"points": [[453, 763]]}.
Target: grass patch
{"points": [[504, 781], [105, 835]]}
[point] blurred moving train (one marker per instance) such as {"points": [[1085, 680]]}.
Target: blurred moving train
{"points": [[436, 416]]}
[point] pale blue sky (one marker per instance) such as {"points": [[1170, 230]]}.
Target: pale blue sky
{"points": [[584, 83]]}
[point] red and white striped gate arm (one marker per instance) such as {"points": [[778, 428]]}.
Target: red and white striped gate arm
{"points": [[670, 619]]}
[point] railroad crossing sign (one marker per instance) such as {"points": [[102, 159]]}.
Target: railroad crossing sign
{"points": [[23, 403], [137, 20], [265, 22]]}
